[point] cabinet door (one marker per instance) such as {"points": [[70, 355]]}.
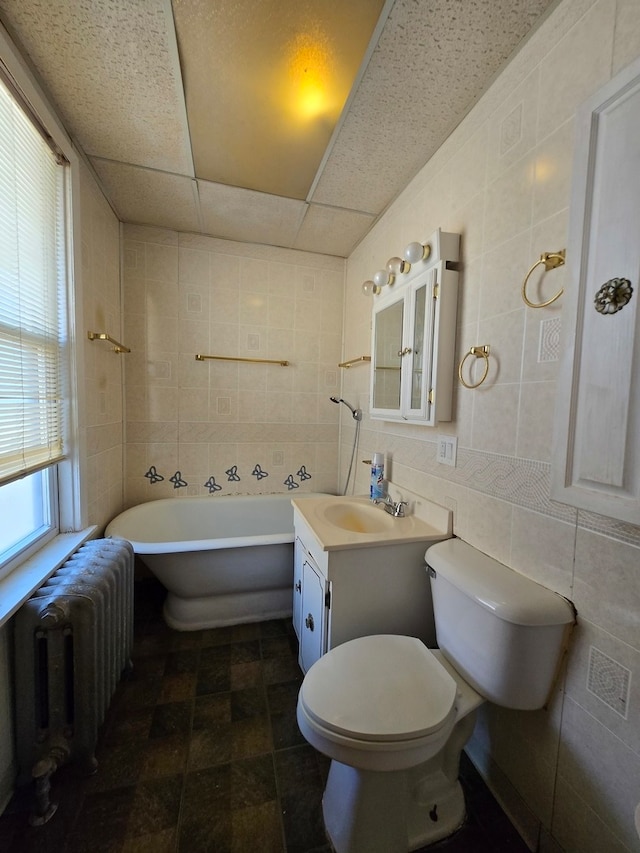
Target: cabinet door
{"points": [[299, 555], [597, 444], [314, 620], [419, 358], [388, 329]]}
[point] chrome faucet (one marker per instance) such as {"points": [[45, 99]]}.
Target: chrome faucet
{"points": [[394, 508]]}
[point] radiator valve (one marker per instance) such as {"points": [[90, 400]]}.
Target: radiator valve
{"points": [[42, 772]]}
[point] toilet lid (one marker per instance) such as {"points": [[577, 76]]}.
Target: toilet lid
{"points": [[383, 687]]}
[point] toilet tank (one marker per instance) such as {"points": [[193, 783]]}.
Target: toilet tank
{"points": [[503, 632]]}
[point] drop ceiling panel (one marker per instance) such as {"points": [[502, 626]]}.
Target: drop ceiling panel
{"points": [[332, 230], [150, 198], [430, 66], [111, 66], [265, 84], [248, 216]]}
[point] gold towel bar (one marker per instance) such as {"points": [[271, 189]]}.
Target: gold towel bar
{"points": [[103, 336], [479, 352], [279, 361], [354, 360], [551, 260]]}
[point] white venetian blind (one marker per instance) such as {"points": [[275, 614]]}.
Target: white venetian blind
{"points": [[32, 270]]}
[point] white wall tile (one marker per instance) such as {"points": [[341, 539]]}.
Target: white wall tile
{"points": [[603, 564], [576, 66], [542, 548], [602, 772]]}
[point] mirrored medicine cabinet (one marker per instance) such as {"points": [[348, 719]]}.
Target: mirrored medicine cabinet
{"points": [[413, 338]]}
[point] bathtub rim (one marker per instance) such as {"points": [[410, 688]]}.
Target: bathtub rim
{"points": [[173, 546]]}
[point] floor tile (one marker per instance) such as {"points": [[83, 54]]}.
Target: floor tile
{"points": [[201, 753]]}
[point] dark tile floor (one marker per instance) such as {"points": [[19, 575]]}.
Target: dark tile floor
{"points": [[201, 752]]}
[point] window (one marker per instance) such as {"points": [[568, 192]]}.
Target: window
{"points": [[32, 330]]}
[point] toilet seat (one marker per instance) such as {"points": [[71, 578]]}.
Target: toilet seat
{"points": [[379, 690]]}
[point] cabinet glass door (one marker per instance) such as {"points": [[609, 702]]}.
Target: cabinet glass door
{"points": [[419, 364], [417, 348], [387, 330]]}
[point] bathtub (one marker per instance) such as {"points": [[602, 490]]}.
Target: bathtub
{"points": [[223, 560]]}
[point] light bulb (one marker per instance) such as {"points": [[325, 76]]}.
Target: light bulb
{"points": [[369, 287], [381, 278], [417, 252], [396, 266]]}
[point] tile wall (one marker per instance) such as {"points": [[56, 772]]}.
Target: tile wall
{"points": [[101, 410], [570, 774], [218, 427]]}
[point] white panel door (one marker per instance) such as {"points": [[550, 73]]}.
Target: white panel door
{"points": [[597, 443]]}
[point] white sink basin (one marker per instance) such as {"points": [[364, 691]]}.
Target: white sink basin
{"points": [[357, 517], [339, 522]]}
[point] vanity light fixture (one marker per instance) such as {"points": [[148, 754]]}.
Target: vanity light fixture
{"points": [[382, 278], [415, 252], [396, 266]]}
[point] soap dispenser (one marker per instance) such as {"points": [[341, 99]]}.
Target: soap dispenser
{"points": [[376, 491]]}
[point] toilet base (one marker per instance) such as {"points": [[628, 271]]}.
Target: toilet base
{"points": [[368, 811], [436, 810], [397, 811]]}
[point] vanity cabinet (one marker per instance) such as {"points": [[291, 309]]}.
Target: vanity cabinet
{"points": [[413, 338], [342, 594]]}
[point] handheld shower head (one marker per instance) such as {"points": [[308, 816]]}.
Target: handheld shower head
{"points": [[356, 413]]}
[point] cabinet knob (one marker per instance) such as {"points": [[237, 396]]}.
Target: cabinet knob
{"points": [[309, 622]]}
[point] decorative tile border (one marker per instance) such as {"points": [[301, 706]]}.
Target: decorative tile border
{"points": [[522, 482], [232, 474]]}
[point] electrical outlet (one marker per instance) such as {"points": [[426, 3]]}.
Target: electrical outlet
{"points": [[447, 450]]}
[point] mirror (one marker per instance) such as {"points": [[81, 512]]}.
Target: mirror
{"points": [[387, 359]]}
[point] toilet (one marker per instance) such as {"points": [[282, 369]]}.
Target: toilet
{"points": [[394, 715]]}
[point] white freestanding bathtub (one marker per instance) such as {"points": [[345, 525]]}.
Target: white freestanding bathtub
{"points": [[224, 560]]}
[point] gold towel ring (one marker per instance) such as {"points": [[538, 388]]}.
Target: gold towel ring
{"points": [[551, 260], [479, 352]]}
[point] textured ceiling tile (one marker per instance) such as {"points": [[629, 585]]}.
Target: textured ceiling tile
{"points": [[431, 64], [249, 216], [150, 198], [112, 68], [332, 230]]}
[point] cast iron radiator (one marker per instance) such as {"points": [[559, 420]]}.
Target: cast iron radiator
{"points": [[73, 640]]}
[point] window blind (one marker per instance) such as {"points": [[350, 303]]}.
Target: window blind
{"points": [[32, 272]]}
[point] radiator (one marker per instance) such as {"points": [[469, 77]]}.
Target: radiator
{"points": [[73, 640]]}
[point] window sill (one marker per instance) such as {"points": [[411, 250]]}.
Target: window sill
{"points": [[23, 581]]}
